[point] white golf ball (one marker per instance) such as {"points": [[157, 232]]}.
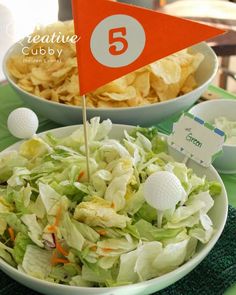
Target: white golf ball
{"points": [[22, 123], [163, 190]]}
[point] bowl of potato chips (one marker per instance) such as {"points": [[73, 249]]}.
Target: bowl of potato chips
{"points": [[42, 69]]}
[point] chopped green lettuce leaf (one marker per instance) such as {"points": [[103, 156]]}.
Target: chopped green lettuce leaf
{"points": [[80, 282], [149, 232], [6, 256], [35, 230], [87, 232], [71, 234], [150, 132], [20, 244], [147, 213], [97, 274], [37, 262]]}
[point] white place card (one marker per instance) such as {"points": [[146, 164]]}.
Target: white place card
{"points": [[197, 139]]}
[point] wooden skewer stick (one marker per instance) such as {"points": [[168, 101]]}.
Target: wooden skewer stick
{"points": [[84, 110], [185, 160]]}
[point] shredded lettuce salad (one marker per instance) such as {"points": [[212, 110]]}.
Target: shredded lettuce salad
{"points": [[57, 227]]}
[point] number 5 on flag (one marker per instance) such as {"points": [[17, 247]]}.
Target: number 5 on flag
{"points": [[113, 38]]}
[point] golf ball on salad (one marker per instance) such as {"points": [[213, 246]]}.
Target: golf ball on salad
{"points": [[22, 123], [163, 190]]}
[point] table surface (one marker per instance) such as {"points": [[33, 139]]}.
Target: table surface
{"points": [[9, 101]]}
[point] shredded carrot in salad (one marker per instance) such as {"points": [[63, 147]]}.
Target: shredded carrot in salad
{"points": [[59, 260], [56, 260], [102, 232], [53, 228], [93, 248], [80, 175], [58, 216], [11, 233]]}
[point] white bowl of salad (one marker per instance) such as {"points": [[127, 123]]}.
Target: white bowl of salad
{"points": [[222, 114], [61, 234]]}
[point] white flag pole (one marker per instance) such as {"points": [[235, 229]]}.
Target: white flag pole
{"points": [[84, 110]]}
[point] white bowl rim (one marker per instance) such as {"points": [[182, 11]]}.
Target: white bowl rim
{"points": [[199, 256], [181, 97], [215, 101]]}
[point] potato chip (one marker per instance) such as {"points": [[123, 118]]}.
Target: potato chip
{"points": [[73, 86], [142, 83], [103, 104], [129, 93], [39, 74], [54, 74], [183, 58], [157, 84], [55, 96], [189, 85], [35, 81], [61, 73], [134, 101], [171, 92], [47, 93], [130, 78], [15, 72], [168, 70], [116, 86], [26, 87]]}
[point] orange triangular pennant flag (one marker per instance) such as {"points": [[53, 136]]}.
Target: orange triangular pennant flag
{"points": [[116, 39]]}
